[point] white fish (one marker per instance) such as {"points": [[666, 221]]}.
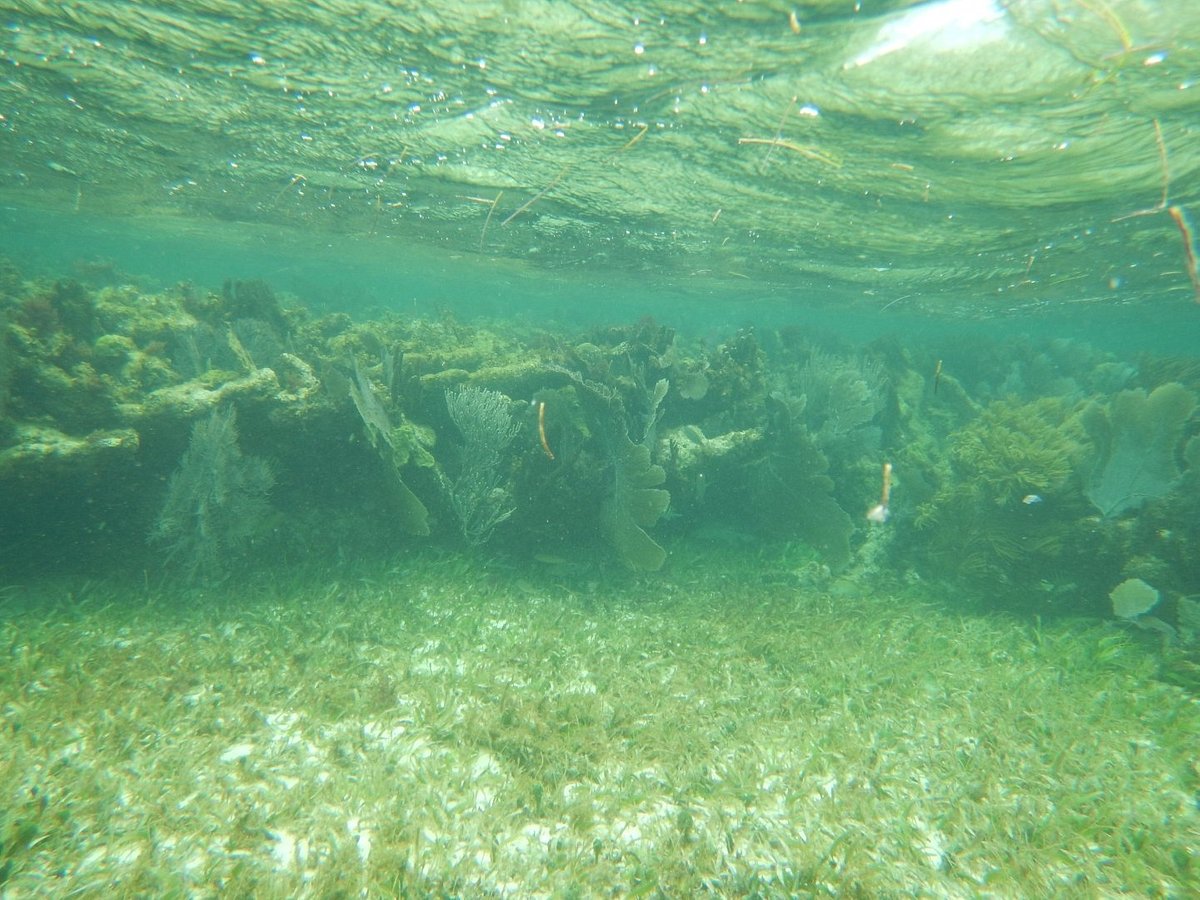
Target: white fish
{"points": [[1031, 499]]}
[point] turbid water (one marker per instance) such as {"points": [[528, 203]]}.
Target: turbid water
{"points": [[553, 449]]}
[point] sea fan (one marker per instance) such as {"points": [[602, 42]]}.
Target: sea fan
{"points": [[216, 500]]}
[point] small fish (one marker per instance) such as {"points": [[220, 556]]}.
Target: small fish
{"points": [[1031, 499]]}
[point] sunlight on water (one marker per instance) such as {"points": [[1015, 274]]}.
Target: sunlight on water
{"points": [[960, 146], [933, 28]]}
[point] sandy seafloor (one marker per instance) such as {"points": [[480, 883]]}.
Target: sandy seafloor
{"points": [[450, 726]]}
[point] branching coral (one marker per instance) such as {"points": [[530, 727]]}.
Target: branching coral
{"points": [[1016, 449], [1006, 509]]}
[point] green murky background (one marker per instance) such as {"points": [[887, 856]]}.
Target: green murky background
{"points": [[727, 245]]}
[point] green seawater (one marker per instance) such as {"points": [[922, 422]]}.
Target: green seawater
{"points": [[561, 449]]}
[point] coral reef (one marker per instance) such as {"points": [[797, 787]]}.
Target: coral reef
{"points": [[396, 447], [842, 398], [1136, 438], [1016, 449], [785, 489], [478, 494], [1132, 598], [216, 502], [38, 451], [1006, 508], [393, 426], [635, 504]]}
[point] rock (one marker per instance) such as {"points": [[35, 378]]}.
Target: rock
{"points": [[299, 381], [43, 450], [194, 398]]}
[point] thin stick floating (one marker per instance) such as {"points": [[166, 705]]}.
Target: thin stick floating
{"points": [[813, 153], [539, 195], [1189, 246]]}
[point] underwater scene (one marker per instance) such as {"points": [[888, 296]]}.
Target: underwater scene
{"points": [[546, 448]]}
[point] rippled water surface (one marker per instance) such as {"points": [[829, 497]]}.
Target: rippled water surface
{"points": [[961, 154], [549, 448]]}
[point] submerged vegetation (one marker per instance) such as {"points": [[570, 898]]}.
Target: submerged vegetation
{"points": [[216, 502], [434, 731], [480, 499], [606, 444], [797, 700]]}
